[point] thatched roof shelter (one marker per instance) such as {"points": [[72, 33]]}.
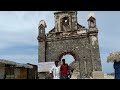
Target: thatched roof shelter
{"points": [[114, 57], [15, 64]]}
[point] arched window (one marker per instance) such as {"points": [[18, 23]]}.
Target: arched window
{"points": [[65, 21]]}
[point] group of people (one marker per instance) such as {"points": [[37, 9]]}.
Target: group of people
{"points": [[60, 71]]}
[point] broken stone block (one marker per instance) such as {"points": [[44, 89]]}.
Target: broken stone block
{"points": [[98, 75]]}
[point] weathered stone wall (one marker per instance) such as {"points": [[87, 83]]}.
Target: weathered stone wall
{"points": [[44, 75], [72, 20], [41, 52], [79, 48], [95, 54]]}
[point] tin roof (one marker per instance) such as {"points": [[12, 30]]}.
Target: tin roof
{"points": [[15, 64]]}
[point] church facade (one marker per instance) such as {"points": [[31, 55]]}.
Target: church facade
{"points": [[70, 37]]}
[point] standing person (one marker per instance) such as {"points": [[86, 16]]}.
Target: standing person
{"points": [[55, 71], [64, 70]]}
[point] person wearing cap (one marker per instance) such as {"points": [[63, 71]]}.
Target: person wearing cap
{"points": [[55, 71]]}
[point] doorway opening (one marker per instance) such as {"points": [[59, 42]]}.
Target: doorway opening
{"points": [[69, 59]]}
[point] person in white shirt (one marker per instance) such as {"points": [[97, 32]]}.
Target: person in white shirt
{"points": [[55, 71]]}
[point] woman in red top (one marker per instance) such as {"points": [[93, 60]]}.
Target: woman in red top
{"points": [[64, 70]]}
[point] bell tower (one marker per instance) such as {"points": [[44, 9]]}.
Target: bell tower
{"points": [[65, 21], [93, 37]]}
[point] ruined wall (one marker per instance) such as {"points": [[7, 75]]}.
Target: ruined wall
{"points": [[41, 52], [44, 75], [95, 53], [79, 48], [77, 40]]}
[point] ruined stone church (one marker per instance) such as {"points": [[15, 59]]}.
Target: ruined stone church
{"points": [[70, 37]]}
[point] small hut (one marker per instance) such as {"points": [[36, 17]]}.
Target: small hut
{"points": [[115, 58], [14, 70]]}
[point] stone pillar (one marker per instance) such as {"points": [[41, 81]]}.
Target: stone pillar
{"points": [[42, 42], [93, 41]]}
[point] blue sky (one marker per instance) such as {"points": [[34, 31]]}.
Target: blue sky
{"points": [[19, 30]]}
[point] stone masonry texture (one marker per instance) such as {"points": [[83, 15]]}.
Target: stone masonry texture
{"points": [[69, 37]]}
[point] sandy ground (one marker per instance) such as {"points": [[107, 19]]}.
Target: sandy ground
{"points": [[105, 77], [108, 76]]}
